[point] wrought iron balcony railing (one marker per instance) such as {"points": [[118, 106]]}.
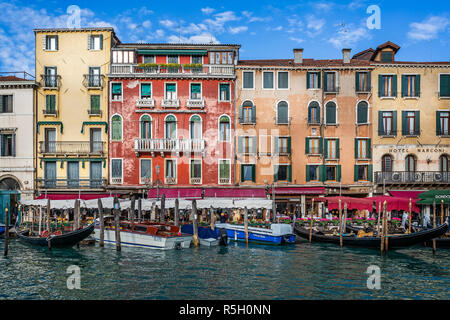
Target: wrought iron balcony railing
{"points": [[196, 180], [82, 183], [121, 69], [170, 103], [72, 147], [50, 81], [192, 103], [93, 81], [417, 177], [169, 145]]}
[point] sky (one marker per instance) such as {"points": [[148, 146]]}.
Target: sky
{"points": [[264, 29]]}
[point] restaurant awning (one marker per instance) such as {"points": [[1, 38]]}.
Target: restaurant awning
{"points": [[406, 193], [352, 203], [169, 52], [235, 193], [395, 203], [298, 190], [189, 193], [434, 196], [72, 196]]}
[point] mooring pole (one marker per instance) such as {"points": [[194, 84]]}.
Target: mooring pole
{"points": [[102, 223], [133, 206], [49, 243], [345, 218], [442, 212], [434, 225], [163, 208], [176, 214], [117, 223], [340, 223], [410, 215], [140, 209], [194, 221], [213, 219], [378, 219], [386, 235], [311, 222], [383, 228], [5, 253], [246, 224], [40, 222]]}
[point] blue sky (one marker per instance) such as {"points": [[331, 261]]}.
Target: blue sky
{"points": [[265, 29]]}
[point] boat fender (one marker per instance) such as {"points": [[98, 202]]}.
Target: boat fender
{"points": [[44, 234]]}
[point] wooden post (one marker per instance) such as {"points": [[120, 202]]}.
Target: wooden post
{"points": [[378, 219], [117, 223], [274, 210], [434, 225], [246, 224], [40, 221], [340, 223], [163, 209], [5, 253], [442, 211], [76, 212], [176, 215], [410, 215], [213, 219], [194, 221], [383, 228], [345, 217], [311, 224], [49, 243], [102, 223], [32, 220], [153, 212], [133, 206], [140, 209], [386, 234]]}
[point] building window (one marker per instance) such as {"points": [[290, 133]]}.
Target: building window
{"points": [[50, 140], [211, 58], [387, 56], [146, 170], [197, 59], [410, 85], [331, 174], [6, 103], [171, 127], [363, 81], [282, 172], [50, 174], [95, 174], [442, 123], [246, 145], [95, 104], [282, 113], [248, 80], [386, 163], [248, 172], [73, 174], [95, 140], [224, 128], [116, 170], [312, 173], [363, 172], [95, 42], [410, 163], [330, 84], [7, 141], [362, 110], [248, 113], [51, 77], [444, 85], [268, 80], [171, 91], [146, 90], [224, 171], [313, 146], [230, 57], [146, 127], [410, 123], [195, 126], [148, 59], [196, 171], [116, 128], [51, 43], [331, 148], [362, 148], [330, 113], [116, 91], [171, 170], [283, 145], [387, 86], [224, 91], [444, 163], [283, 80], [50, 104], [313, 80], [387, 123], [196, 91], [94, 77], [314, 113]]}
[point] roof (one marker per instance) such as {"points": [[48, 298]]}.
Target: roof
{"points": [[364, 55], [74, 29], [175, 45], [12, 78], [306, 63], [387, 45]]}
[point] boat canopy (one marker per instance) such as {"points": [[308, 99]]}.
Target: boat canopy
{"points": [[352, 203]]}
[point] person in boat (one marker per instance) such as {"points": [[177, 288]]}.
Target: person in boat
{"points": [[426, 220], [404, 220], [223, 219]]}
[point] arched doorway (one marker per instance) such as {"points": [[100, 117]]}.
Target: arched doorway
{"points": [[9, 198]]}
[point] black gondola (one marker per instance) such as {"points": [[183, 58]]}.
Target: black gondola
{"points": [[64, 240], [395, 241]]}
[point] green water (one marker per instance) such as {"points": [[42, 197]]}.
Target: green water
{"points": [[301, 271]]}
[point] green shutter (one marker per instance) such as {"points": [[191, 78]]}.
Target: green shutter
{"points": [[438, 123], [369, 148], [289, 169], [380, 86], [404, 85], [242, 173], [306, 145], [325, 87], [356, 148], [444, 88], [289, 145], [404, 127], [195, 88], [275, 145], [116, 88], [369, 81], [171, 87], [322, 173], [417, 89], [275, 173], [355, 173], [394, 85], [380, 123], [240, 144], [146, 89], [101, 42], [307, 173], [116, 128], [307, 80], [394, 122], [254, 173], [253, 114], [370, 172], [325, 148], [338, 173], [254, 145], [337, 149], [95, 103], [357, 84], [321, 145], [417, 122], [319, 74]]}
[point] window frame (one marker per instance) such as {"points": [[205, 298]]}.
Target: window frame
{"points": [[273, 80], [190, 91], [219, 128], [12, 94], [140, 89], [112, 94], [121, 170], [439, 86], [253, 77], [288, 80], [227, 160], [190, 169], [276, 116], [176, 169], [121, 125], [176, 90], [229, 92], [336, 113]]}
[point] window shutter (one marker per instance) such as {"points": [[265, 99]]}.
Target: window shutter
{"points": [[369, 148], [380, 86], [2, 143], [338, 173], [404, 127], [322, 173], [417, 89], [306, 145], [254, 145], [337, 149], [438, 123], [275, 173], [253, 114], [242, 173], [275, 145], [356, 148], [369, 81], [319, 74], [241, 114], [370, 172], [355, 173], [321, 145], [404, 85], [309, 114], [357, 84], [101, 42], [394, 85], [417, 122], [325, 86], [240, 144], [444, 90], [308, 85], [254, 173], [89, 42], [289, 145], [56, 42], [307, 173], [325, 148], [14, 145], [380, 123], [394, 122], [289, 169]]}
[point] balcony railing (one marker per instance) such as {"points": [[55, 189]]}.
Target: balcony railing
{"points": [[145, 103], [191, 103], [95, 112], [170, 103], [224, 180], [82, 183], [171, 180], [411, 133], [93, 81], [418, 177], [50, 112], [196, 180], [443, 132], [50, 81], [169, 145], [72, 147], [121, 69]]}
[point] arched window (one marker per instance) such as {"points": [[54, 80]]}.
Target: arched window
{"points": [[224, 128], [9, 184], [195, 126], [116, 127], [146, 127], [171, 127], [410, 163], [330, 113], [386, 163], [282, 113], [444, 163], [362, 111], [314, 113], [247, 113]]}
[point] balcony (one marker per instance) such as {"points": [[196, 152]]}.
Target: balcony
{"points": [[94, 113], [115, 180], [145, 103], [224, 180], [170, 103], [209, 70], [72, 147], [50, 112], [418, 177], [93, 81], [169, 145], [50, 81], [443, 133], [171, 180], [192, 104], [196, 180], [82, 183]]}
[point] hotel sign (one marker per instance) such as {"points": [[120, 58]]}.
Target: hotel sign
{"points": [[418, 150]]}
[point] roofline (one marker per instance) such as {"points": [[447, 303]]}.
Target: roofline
{"points": [[73, 29], [177, 44]]}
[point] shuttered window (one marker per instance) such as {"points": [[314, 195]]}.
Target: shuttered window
{"points": [[444, 85], [8, 144], [224, 169], [330, 110], [411, 123], [6, 103], [146, 90], [116, 168], [247, 80], [362, 113], [224, 89], [224, 128], [116, 91], [196, 91], [387, 85], [50, 104], [387, 123], [362, 81], [248, 172], [282, 172], [282, 113], [116, 128], [442, 123], [196, 168], [313, 80], [268, 80], [95, 103], [283, 80], [410, 85], [314, 113]]}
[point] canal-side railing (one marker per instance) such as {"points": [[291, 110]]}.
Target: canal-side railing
{"points": [[412, 177]]}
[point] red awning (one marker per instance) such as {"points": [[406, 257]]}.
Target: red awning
{"points": [[352, 203], [406, 194], [172, 193], [72, 196], [235, 193], [395, 203], [298, 190]]}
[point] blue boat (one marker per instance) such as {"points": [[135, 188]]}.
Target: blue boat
{"points": [[207, 237], [2, 228], [279, 233]]}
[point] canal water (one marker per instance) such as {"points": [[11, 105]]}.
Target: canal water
{"points": [[301, 271]]}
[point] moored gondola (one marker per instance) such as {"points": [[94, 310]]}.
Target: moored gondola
{"points": [[59, 240], [395, 241]]}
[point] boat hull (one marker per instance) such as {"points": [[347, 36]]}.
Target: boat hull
{"points": [[256, 235], [130, 239]]}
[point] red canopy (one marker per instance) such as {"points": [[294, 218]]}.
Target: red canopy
{"points": [[352, 203], [405, 194], [172, 193], [235, 193], [72, 196], [395, 203], [298, 190]]}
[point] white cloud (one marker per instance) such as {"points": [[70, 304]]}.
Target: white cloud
{"points": [[238, 29], [348, 38], [168, 23], [298, 40], [314, 25], [251, 18], [428, 29], [295, 24], [208, 10], [201, 38], [322, 6]]}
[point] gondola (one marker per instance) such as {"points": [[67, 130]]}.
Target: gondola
{"points": [[395, 241], [57, 241]]}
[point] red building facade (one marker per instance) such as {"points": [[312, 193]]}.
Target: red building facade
{"points": [[171, 115]]}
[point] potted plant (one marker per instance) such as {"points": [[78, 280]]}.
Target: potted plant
{"points": [[148, 67]]}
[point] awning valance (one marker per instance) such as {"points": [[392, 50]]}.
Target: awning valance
{"points": [[298, 190], [352, 203], [170, 52]]}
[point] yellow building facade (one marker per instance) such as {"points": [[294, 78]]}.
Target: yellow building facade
{"points": [[72, 108]]}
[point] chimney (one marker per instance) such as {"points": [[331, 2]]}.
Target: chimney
{"points": [[298, 55], [346, 55]]}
